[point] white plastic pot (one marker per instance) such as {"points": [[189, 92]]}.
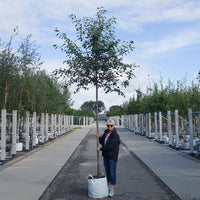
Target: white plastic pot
{"points": [[97, 187], [186, 138], [186, 145], [36, 140], [19, 146]]}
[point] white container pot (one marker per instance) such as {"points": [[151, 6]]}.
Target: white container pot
{"points": [[186, 138], [97, 187], [186, 145], [19, 146], [195, 140], [166, 139], [36, 140]]}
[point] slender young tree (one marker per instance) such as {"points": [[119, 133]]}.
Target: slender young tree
{"points": [[8, 68], [96, 57]]}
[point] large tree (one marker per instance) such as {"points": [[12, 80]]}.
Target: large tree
{"points": [[96, 57], [91, 105], [114, 111]]}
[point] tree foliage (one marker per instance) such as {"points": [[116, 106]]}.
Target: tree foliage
{"points": [[173, 96], [91, 105], [114, 111], [84, 112], [163, 98], [23, 86], [97, 57]]}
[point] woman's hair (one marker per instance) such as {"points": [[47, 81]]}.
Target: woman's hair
{"points": [[111, 121]]}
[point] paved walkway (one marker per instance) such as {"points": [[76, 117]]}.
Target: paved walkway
{"points": [[29, 178], [135, 181], [179, 171]]}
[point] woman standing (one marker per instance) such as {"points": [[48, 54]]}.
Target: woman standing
{"points": [[110, 142]]}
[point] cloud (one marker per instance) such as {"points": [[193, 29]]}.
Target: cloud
{"points": [[174, 41], [51, 64], [35, 16], [39, 18], [184, 11], [134, 16]]}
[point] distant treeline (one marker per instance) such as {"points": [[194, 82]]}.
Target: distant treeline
{"points": [[23, 85], [83, 112], [174, 96]]}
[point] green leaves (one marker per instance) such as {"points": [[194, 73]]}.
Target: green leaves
{"points": [[23, 86], [91, 105], [162, 98], [96, 57]]}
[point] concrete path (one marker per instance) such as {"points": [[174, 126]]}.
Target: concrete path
{"points": [[135, 181], [143, 164], [179, 171], [28, 178]]}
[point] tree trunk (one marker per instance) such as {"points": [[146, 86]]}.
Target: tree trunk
{"points": [[6, 94], [18, 127], [20, 102], [97, 129]]}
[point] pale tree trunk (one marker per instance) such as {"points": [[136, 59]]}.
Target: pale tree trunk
{"points": [[18, 126], [97, 129], [6, 94]]}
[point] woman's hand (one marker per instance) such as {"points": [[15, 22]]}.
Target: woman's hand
{"points": [[97, 135], [98, 149]]}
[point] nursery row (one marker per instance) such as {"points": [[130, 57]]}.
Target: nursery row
{"points": [[172, 129], [19, 133]]}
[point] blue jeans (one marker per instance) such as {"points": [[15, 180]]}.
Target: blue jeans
{"points": [[110, 167]]}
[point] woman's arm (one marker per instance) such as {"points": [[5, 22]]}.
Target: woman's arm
{"points": [[101, 138]]}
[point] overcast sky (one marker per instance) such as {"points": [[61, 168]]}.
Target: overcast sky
{"points": [[166, 35]]}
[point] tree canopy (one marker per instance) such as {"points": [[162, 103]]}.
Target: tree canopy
{"points": [[114, 110], [97, 56], [91, 105]]}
